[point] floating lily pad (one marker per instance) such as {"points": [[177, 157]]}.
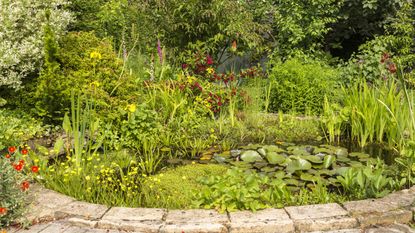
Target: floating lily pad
{"points": [[280, 174], [219, 158], [312, 158], [323, 150], [235, 153], [268, 169], [262, 151], [251, 156], [355, 164], [273, 148], [359, 155], [328, 161], [297, 165], [274, 158], [260, 165], [292, 182], [342, 152], [341, 170], [308, 177], [343, 159]]}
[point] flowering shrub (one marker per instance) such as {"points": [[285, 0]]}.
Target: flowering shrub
{"points": [[21, 40], [13, 184]]}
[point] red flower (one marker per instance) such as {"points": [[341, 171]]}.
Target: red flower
{"points": [[8, 156], [18, 167], [385, 57], [25, 185], [184, 66], [35, 169], [24, 151], [209, 60], [21, 162], [3, 211], [12, 149], [392, 68]]}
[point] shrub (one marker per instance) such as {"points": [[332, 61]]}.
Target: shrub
{"points": [[300, 87], [13, 186], [17, 127], [174, 188], [83, 63], [21, 40]]}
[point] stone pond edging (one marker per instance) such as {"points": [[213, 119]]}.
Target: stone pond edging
{"points": [[349, 217]]}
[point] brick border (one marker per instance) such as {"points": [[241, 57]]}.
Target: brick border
{"points": [[398, 207]]}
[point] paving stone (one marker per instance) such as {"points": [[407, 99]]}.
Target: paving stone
{"points": [[341, 231], [34, 228], [399, 200], [134, 214], [194, 228], [195, 216], [102, 231], [391, 217], [315, 211], [125, 225], [321, 218], [368, 206], [55, 228], [73, 229], [403, 228], [82, 222], [267, 221], [83, 210], [52, 200]]}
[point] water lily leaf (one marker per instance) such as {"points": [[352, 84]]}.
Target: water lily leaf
{"points": [[298, 164], [268, 169], [260, 165], [323, 150], [355, 164], [312, 158], [341, 170], [308, 177], [293, 182], [280, 174], [274, 158], [342, 152], [219, 158], [359, 155], [273, 148], [326, 172], [343, 159], [251, 156], [299, 152], [262, 151], [328, 161]]}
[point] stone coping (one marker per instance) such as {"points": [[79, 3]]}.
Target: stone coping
{"points": [[398, 207]]}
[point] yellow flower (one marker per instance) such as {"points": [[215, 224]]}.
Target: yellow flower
{"points": [[184, 177], [87, 178], [95, 55], [210, 70], [132, 108]]}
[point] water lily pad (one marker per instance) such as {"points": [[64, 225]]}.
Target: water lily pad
{"points": [[343, 159], [326, 172], [341, 170], [342, 152], [273, 148], [359, 155], [280, 174], [235, 153], [297, 165], [328, 161], [251, 156], [225, 154], [355, 164], [312, 158], [323, 150], [219, 158], [292, 182], [262, 151], [274, 158], [260, 165], [300, 151], [308, 177], [268, 169]]}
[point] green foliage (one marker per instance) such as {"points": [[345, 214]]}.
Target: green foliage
{"points": [[301, 87], [238, 190], [21, 48], [366, 182], [87, 64], [300, 26], [406, 164], [17, 127], [13, 200], [174, 188]]}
